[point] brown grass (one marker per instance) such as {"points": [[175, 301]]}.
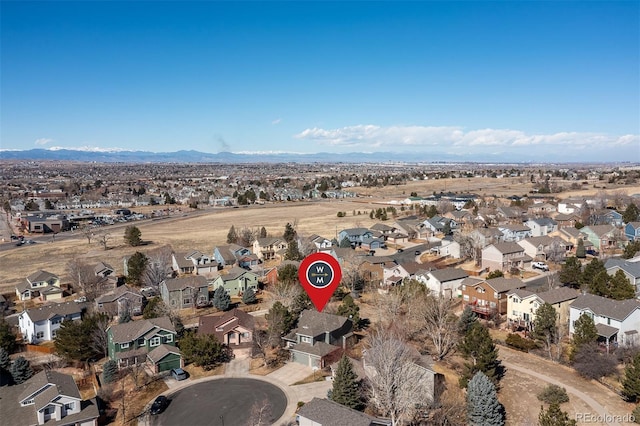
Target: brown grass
{"points": [[199, 372]]}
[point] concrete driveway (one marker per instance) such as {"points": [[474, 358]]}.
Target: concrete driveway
{"points": [[291, 373]]}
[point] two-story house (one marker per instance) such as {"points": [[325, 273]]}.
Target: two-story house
{"points": [[122, 299], [488, 298], [615, 320], [47, 398], [185, 292], [604, 237], [632, 231], [541, 226], [324, 412], [444, 282], [41, 284], [319, 242], [355, 235], [151, 340], [268, 248], [41, 324], [514, 233], [320, 338], [233, 328], [228, 255], [522, 305], [236, 281], [483, 237], [504, 257], [630, 269], [440, 224]]}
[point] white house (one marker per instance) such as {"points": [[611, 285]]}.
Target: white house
{"points": [[617, 321], [445, 282], [631, 270], [541, 226], [513, 233], [40, 324]]}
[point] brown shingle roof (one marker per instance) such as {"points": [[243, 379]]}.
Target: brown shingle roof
{"points": [[129, 331], [51, 310], [616, 309], [195, 281]]}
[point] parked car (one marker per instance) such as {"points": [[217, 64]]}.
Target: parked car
{"points": [[540, 265], [178, 374], [159, 405]]}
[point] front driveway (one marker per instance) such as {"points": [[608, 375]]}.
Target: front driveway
{"points": [[291, 373]]}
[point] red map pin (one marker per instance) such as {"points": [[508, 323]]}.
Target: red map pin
{"points": [[320, 275]]}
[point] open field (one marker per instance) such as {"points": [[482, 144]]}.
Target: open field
{"points": [[203, 230]]}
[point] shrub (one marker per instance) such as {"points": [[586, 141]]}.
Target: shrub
{"points": [[553, 394], [518, 342]]}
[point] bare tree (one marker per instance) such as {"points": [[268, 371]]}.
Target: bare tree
{"points": [[87, 231], [440, 325], [285, 293], [158, 268], [396, 383], [104, 238], [556, 251], [83, 277], [99, 340], [261, 414]]}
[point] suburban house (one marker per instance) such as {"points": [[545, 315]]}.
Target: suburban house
{"points": [[324, 412], [393, 274], [268, 248], [513, 233], [412, 227], [193, 262], [320, 338], [228, 255], [182, 263], [463, 218], [448, 247], [122, 299], [631, 270], [486, 236], [541, 248], [319, 242], [152, 340], [509, 214], [541, 209], [439, 224], [185, 292], [504, 257], [571, 205], [236, 281], [41, 324], [604, 237], [103, 270], [233, 328], [47, 398], [373, 243], [488, 297], [541, 226], [522, 305], [41, 284], [382, 230], [617, 321], [607, 217], [355, 235], [566, 220], [371, 268], [632, 231], [444, 282]]}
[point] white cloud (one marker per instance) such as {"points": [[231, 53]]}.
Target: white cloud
{"points": [[443, 136], [88, 149], [43, 141], [276, 121]]}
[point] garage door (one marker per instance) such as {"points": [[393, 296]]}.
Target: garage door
{"points": [[300, 358]]}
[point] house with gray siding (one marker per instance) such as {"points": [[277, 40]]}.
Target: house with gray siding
{"points": [[185, 292]]}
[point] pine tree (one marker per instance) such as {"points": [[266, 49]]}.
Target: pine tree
{"points": [[5, 361], [263, 231], [590, 272], [581, 253], [631, 213], [349, 309], [110, 371], [124, 317], [631, 381], [479, 349], [620, 288], [249, 297], [483, 407], [571, 272], [584, 331], [554, 416], [467, 319], [133, 236], [345, 385], [136, 265], [289, 233], [544, 326], [232, 235], [293, 252], [345, 243], [7, 337], [221, 299], [21, 370]]}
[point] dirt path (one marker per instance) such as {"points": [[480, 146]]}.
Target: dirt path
{"points": [[597, 404]]}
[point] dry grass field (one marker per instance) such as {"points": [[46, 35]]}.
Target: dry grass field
{"points": [[204, 230]]}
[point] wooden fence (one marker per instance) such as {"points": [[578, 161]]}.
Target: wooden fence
{"points": [[40, 349]]}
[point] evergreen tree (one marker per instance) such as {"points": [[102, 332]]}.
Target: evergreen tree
{"points": [[136, 265], [620, 288], [288, 274], [132, 236], [293, 252], [21, 370], [554, 416], [345, 385], [571, 272], [631, 213], [7, 337], [480, 351], [300, 303], [74, 340], [467, 319], [631, 249], [345, 243], [581, 253], [124, 317], [249, 297], [631, 381], [591, 270], [155, 308], [232, 235], [263, 231], [599, 284], [349, 309], [289, 233], [110, 371], [544, 326], [584, 331], [203, 350], [497, 273], [483, 407], [221, 300], [5, 361]]}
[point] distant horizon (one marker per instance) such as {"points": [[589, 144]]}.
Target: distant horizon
{"points": [[507, 80]]}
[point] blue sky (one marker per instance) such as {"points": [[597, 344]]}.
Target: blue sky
{"points": [[462, 78]]}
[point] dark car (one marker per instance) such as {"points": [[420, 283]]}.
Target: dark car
{"points": [[159, 405]]}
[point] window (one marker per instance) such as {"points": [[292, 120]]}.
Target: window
{"points": [[53, 333], [608, 321], [186, 302], [168, 338], [465, 297], [69, 406], [245, 335], [39, 335], [154, 341], [141, 341], [124, 345]]}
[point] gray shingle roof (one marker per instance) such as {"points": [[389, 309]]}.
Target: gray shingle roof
{"points": [[117, 293], [176, 284], [502, 284], [51, 310], [41, 276], [558, 295], [313, 323], [328, 413], [449, 274], [318, 348], [129, 331], [507, 248], [616, 309], [632, 268], [161, 351], [64, 383]]}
